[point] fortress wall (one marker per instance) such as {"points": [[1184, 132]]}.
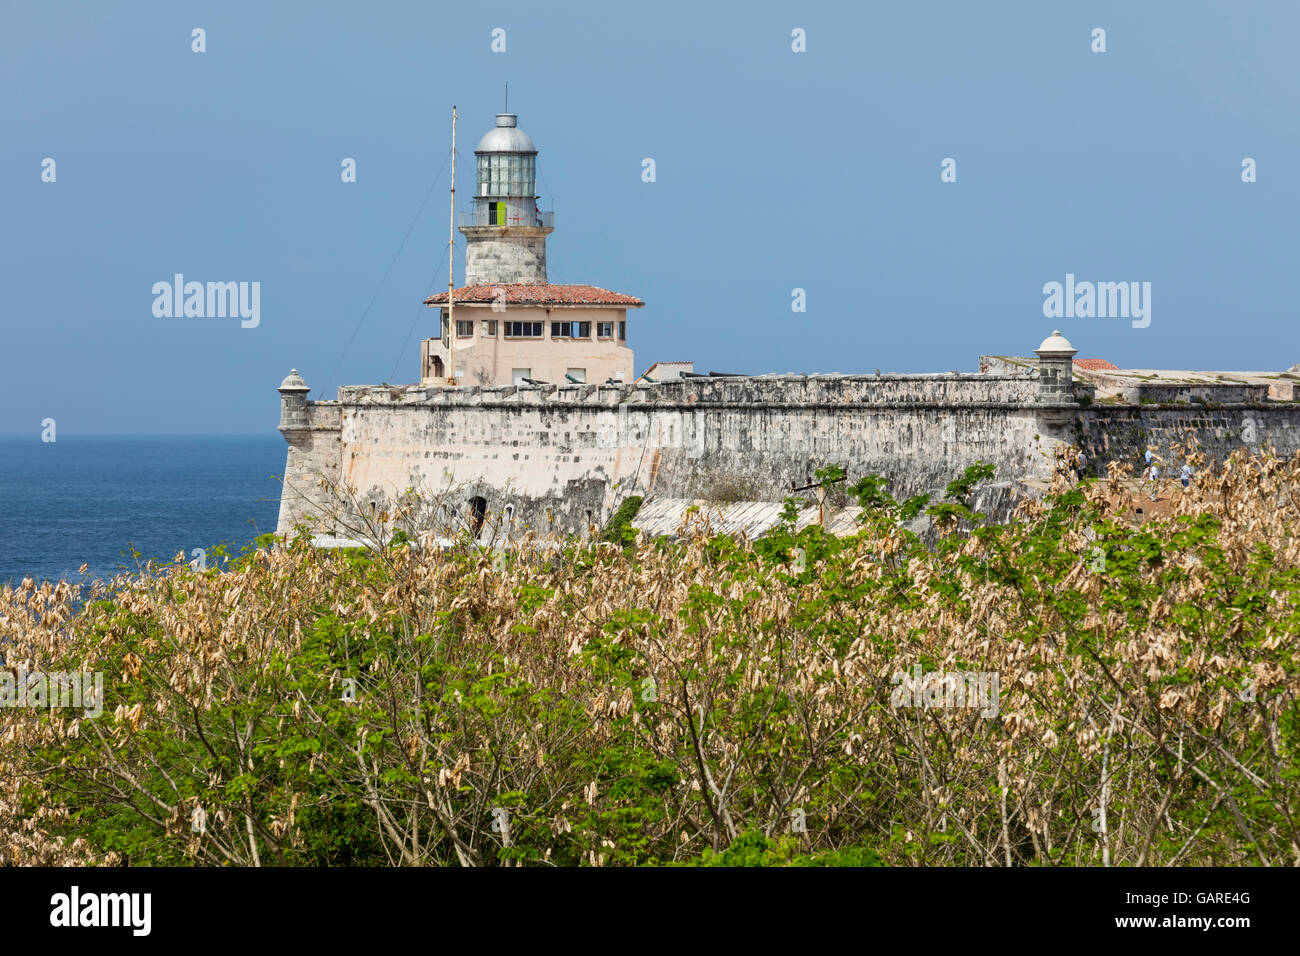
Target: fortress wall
{"points": [[1007, 365], [564, 458], [1124, 432], [779, 390], [313, 454], [1200, 393], [561, 457], [951, 388], [760, 453]]}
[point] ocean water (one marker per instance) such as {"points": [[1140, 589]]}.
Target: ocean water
{"points": [[94, 499]]}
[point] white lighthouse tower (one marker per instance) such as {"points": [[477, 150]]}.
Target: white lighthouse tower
{"points": [[511, 325], [505, 233]]}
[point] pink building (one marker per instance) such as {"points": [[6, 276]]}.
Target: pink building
{"points": [[511, 325]]}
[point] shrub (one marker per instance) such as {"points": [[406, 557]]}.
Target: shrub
{"points": [[619, 530], [683, 702]]}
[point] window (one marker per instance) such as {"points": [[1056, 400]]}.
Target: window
{"points": [[490, 328], [519, 174], [605, 330], [570, 330], [622, 331], [517, 375], [446, 339], [464, 328], [507, 174], [576, 375], [523, 330]]}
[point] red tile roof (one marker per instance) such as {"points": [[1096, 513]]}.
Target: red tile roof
{"points": [[524, 294], [1095, 365]]}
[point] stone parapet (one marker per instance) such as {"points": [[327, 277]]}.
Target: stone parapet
{"points": [[956, 389]]}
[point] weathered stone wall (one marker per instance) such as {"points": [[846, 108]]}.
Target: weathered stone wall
{"points": [[313, 455], [1008, 365], [1124, 432], [562, 457], [505, 254], [1137, 393]]}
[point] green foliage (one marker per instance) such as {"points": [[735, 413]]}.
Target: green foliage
{"points": [[619, 529], [670, 704], [755, 849]]}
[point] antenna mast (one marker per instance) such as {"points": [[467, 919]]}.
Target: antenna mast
{"points": [[451, 263]]}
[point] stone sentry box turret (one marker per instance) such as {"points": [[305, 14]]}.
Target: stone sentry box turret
{"points": [[312, 433], [1056, 370], [293, 403]]}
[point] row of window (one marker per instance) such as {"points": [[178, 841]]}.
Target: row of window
{"points": [[533, 330], [507, 174], [519, 330]]}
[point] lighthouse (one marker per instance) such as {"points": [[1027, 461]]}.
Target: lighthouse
{"points": [[512, 326], [505, 232]]}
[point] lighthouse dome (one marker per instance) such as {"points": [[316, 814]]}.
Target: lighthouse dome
{"points": [[507, 137]]}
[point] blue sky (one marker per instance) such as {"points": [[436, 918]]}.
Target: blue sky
{"points": [[775, 170]]}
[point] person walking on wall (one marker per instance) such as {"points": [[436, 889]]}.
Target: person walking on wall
{"points": [[1153, 475]]}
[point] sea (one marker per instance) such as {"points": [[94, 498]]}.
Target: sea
{"points": [[97, 500]]}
